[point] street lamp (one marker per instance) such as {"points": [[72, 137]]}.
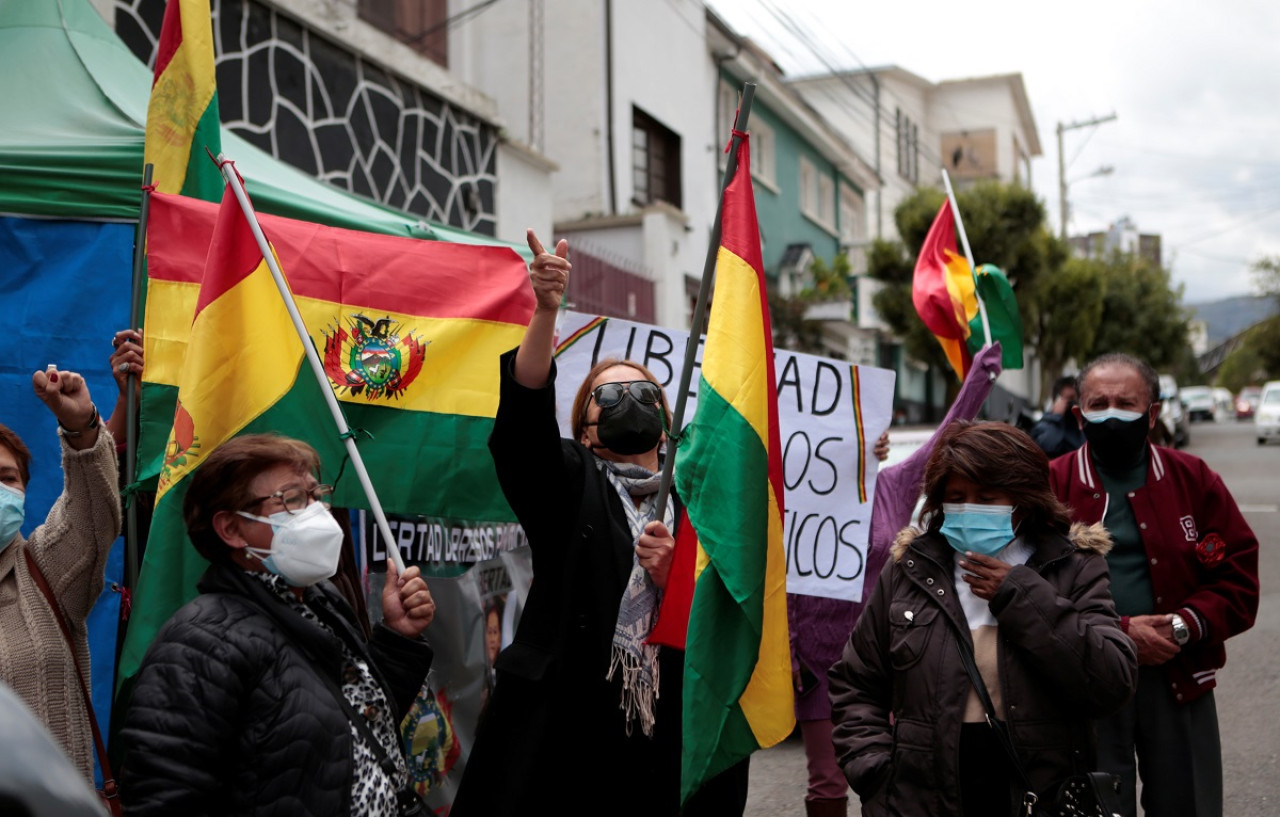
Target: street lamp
{"points": [[1062, 166]]}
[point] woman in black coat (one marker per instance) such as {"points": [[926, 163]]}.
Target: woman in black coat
{"points": [[585, 717], [248, 699]]}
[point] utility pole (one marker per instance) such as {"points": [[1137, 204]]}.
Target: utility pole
{"points": [[1062, 164]]}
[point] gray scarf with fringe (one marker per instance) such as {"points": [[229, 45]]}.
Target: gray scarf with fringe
{"points": [[631, 651]]}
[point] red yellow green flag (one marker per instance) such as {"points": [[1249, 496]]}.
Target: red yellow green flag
{"points": [[996, 294], [408, 331], [737, 680], [943, 290], [182, 115]]}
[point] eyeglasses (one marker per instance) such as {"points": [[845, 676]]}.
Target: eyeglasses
{"points": [[296, 500], [608, 395]]}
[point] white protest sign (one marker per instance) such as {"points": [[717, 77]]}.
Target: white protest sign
{"points": [[830, 414]]}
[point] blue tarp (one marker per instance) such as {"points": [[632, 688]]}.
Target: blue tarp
{"points": [[64, 291]]}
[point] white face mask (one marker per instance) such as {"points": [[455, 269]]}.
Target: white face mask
{"points": [[306, 546]]}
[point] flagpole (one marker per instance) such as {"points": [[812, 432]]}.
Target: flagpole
{"points": [[968, 254], [704, 292], [313, 358], [131, 388]]}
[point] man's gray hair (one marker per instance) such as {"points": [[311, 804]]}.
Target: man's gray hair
{"points": [[1120, 359]]}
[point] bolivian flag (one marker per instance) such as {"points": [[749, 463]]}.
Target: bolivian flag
{"points": [[996, 294], [737, 678], [943, 291], [182, 116], [407, 329]]}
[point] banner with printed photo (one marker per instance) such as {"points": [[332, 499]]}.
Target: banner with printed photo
{"points": [[830, 413], [479, 576]]}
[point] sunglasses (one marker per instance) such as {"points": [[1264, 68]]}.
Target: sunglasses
{"points": [[608, 395]]}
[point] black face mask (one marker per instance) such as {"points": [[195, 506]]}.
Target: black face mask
{"points": [[1117, 444], [630, 427]]}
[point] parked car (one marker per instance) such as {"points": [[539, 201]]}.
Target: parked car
{"points": [[1247, 402], [1172, 428], [1197, 402], [1266, 419], [1224, 405]]}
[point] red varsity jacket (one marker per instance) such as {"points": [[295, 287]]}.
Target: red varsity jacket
{"points": [[1202, 554]]}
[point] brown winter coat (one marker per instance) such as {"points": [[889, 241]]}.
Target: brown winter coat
{"points": [[898, 693]]}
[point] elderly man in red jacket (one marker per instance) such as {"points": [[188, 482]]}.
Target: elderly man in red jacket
{"points": [[1184, 574]]}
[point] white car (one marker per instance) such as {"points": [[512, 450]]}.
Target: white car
{"points": [[1266, 419], [1197, 402], [1224, 405]]}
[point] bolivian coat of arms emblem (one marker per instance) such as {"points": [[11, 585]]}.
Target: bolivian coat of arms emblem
{"points": [[374, 358]]}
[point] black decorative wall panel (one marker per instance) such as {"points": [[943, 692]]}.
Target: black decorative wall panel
{"points": [[322, 109]]}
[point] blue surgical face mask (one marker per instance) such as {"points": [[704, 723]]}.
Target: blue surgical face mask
{"points": [[984, 529], [1119, 414], [12, 501]]}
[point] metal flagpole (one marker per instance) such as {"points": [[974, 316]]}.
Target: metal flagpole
{"points": [[968, 254], [313, 357], [704, 292], [131, 386]]}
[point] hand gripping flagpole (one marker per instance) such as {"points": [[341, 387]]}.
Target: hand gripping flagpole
{"points": [[704, 292], [968, 254], [317, 368]]}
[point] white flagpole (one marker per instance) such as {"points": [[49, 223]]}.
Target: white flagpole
{"points": [[317, 368], [968, 254]]}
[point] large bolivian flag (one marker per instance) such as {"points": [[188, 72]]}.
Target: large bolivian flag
{"points": [[182, 115], [942, 290], [408, 331], [737, 678]]}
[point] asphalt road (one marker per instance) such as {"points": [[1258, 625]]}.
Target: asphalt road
{"points": [[1248, 694]]}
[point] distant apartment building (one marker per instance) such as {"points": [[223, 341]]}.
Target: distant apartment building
{"points": [[1121, 237]]}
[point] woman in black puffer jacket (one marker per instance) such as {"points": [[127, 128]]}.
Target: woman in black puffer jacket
{"points": [[236, 708]]}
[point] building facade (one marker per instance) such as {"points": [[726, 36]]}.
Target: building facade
{"points": [[359, 93], [640, 141], [911, 129]]}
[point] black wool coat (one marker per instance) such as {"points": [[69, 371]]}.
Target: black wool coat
{"points": [[553, 736], [229, 715]]}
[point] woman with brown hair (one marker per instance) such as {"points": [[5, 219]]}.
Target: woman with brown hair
{"points": [[585, 715], [1000, 573], [262, 695]]}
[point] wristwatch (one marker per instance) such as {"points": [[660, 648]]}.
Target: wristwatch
{"points": [[1181, 633]]}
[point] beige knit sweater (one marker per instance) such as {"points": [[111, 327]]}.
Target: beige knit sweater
{"points": [[71, 548]]}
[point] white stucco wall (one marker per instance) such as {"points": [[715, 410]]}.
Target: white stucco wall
{"points": [[979, 104], [523, 194], [492, 51], [659, 64]]}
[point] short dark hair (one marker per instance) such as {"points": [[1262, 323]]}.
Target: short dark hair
{"points": [[221, 483], [10, 440], [1067, 380], [1143, 369], [1002, 458]]}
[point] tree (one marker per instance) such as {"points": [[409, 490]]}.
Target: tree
{"points": [[1070, 310], [791, 328], [1257, 358], [1006, 227], [1142, 314]]}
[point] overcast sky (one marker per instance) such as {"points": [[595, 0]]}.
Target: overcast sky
{"points": [[1195, 86]]}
